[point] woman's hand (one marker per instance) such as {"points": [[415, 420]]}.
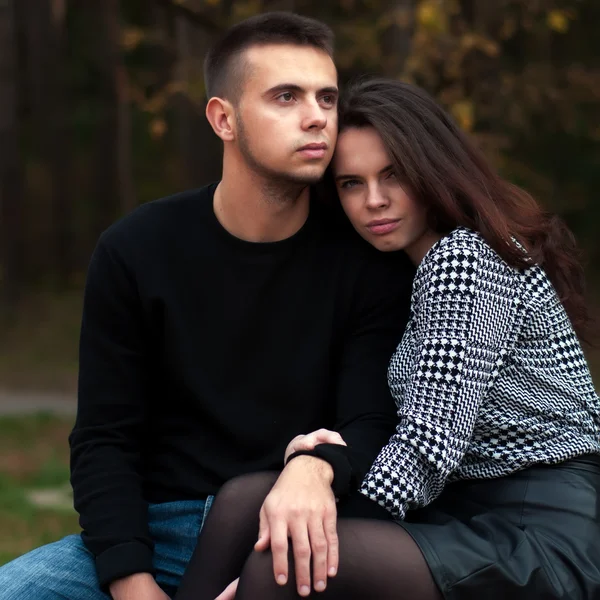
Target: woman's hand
{"points": [[310, 440], [229, 592]]}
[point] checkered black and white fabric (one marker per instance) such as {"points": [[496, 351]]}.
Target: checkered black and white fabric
{"points": [[489, 378]]}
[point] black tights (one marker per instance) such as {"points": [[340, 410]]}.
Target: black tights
{"points": [[378, 559]]}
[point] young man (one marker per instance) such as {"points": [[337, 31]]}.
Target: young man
{"points": [[218, 324]]}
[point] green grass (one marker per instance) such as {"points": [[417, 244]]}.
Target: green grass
{"points": [[33, 456]]}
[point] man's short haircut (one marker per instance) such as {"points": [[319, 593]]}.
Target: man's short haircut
{"points": [[224, 65]]}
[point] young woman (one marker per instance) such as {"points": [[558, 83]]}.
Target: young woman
{"points": [[491, 480]]}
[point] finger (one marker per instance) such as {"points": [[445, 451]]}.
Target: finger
{"points": [[229, 592], [293, 446], [301, 550], [325, 436], [306, 442], [294, 443], [309, 441], [333, 544], [279, 550], [264, 533], [319, 550]]}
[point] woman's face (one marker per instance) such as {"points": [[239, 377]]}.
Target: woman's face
{"points": [[381, 210]]}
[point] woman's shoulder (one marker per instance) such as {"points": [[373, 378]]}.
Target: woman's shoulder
{"points": [[460, 240], [463, 258], [463, 249]]}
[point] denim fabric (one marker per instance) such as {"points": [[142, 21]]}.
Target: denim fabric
{"points": [[66, 569]]}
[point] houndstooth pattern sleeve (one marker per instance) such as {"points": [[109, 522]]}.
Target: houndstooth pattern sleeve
{"points": [[463, 314]]}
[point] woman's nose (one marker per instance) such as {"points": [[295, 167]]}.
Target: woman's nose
{"points": [[375, 198]]}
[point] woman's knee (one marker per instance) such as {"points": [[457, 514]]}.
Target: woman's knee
{"points": [[258, 580]]}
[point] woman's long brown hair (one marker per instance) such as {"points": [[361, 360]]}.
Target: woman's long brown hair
{"points": [[446, 171]]}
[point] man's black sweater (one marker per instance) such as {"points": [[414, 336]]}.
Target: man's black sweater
{"points": [[203, 355]]}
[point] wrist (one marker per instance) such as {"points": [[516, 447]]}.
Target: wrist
{"points": [[335, 455], [319, 466], [132, 584]]}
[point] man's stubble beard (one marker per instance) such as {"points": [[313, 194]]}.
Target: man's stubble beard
{"points": [[277, 186]]}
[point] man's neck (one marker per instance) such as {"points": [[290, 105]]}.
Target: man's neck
{"points": [[255, 209]]}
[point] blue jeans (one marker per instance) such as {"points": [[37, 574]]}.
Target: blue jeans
{"points": [[66, 569]]}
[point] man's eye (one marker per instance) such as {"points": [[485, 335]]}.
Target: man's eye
{"points": [[328, 99], [286, 97]]}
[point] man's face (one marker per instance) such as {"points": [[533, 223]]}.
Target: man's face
{"points": [[286, 120]]}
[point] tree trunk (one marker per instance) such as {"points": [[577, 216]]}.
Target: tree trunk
{"points": [[60, 136], [199, 148], [10, 184], [185, 111], [396, 39], [120, 81], [114, 187], [45, 33]]}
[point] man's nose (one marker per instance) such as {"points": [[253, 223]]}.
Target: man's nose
{"points": [[315, 116]]}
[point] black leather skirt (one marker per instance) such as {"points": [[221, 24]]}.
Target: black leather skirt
{"points": [[533, 535]]}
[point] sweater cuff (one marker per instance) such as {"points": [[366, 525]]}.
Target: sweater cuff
{"points": [[335, 454], [121, 561]]}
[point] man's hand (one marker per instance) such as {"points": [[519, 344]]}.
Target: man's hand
{"points": [[301, 506], [310, 440], [140, 586]]}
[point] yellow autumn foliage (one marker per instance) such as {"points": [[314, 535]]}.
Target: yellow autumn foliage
{"points": [[558, 20]]}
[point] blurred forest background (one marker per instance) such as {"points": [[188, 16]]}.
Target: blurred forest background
{"points": [[102, 109]]}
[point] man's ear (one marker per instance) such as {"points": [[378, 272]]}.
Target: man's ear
{"points": [[220, 115]]}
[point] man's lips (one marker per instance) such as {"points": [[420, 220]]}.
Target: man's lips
{"points": [[313, 150], [382, 226]]}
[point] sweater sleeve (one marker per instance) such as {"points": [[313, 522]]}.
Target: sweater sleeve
{"points": [[464, 312], [105, 441], [365, 409]]}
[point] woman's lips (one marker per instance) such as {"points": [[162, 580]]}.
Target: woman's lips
{"points": [[383, 226]]}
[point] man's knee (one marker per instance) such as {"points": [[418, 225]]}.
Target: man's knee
{"points": [[63, 569]]}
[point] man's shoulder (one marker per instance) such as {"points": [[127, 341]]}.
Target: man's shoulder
{"points": [[161, 218], [342, 236], [336, 232], [367, 274]]}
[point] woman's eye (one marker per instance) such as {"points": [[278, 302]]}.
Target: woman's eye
{"points": [[391, 175], [350, 183]]}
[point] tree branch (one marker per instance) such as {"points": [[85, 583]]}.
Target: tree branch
{"points": [[194, 17]]}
